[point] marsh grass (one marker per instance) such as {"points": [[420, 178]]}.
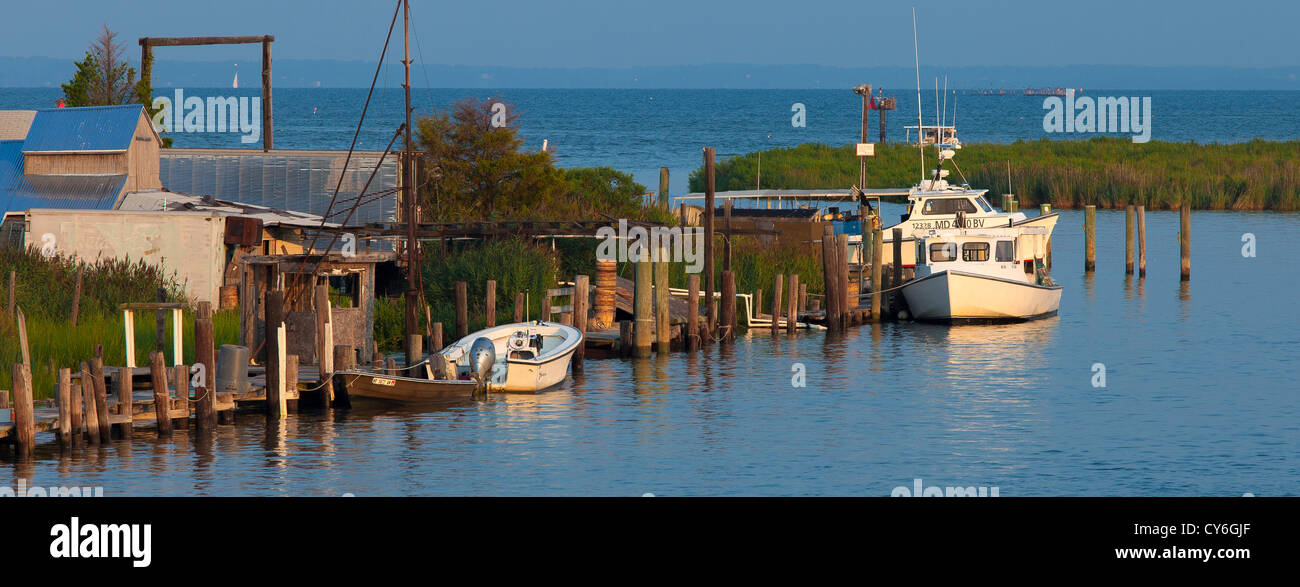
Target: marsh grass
{"points": [[1104, 171]]}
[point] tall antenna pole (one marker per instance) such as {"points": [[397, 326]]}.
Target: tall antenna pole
{"points": [[917, 54], [408, 194]]}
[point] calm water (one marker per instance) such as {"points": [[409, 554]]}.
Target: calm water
{"points": [[639, 130], [1200, 399]]}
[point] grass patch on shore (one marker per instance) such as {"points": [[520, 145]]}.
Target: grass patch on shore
{"points": [[1105, 171]]}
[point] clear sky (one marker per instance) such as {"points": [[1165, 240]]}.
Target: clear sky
{"points": [[616, 33]]}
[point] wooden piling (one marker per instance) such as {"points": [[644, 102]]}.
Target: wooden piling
{"points": [[490, 304], [101, 398], [581, 295], [606, 291], [1128, 239], [160, 324], [274, 353], [437, 344], [1142, 240], [625, 338], [709, 187], [1089, 237], [692, 311], [519, 307], [758, 301], [291, 373], [65, 407], [205, 407], [792, 305], [24, 409], [663, 334], [125, 401], [642, 307], [90, 412], [343, 358], [728, 306], [1185, 242], [877, 270], [161, 399], [831, 278], [778, 286], [663, 189], [803, 297], [546, 309], [181, 391], [462, 310]]}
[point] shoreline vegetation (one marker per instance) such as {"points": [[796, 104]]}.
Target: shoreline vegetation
{"points": [[1104, 171]]}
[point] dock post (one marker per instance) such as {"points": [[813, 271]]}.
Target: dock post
{"points": [[792, 305], [1185, 241], [830, 278], [758, 301], [24, 409], [161, 399], [1128, 240], [803, 297], [692, 312], [1142, 240], [711, 319], [728, 306], [291, 376], [344, 357], [436, 345], [462, 310], [274, 353], [546, 309], [1090, 237], [642, 306], [125, 402], [65, 407], [663, 188], [581, 289], [205, 407], [101, 398], [898, 270], [490, 304], [414, 348], [663, 332], [877, 273], [88, 400], [777, 286], [625, 338], [181, 386], [519, 307]]}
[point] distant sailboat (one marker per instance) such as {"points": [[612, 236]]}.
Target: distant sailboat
{"points": [[235, 85]]}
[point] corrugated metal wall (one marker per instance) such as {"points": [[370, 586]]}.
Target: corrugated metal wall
{"points": [[299, 182]]}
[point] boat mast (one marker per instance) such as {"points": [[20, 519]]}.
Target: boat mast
{"points": [[408, 193]]}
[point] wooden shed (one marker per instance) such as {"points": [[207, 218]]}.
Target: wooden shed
{"points": [[352, 286], [95, 140]]}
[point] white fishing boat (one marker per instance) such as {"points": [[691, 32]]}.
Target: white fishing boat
{"points": [[934, 204], [989, 274], [527, 357]]}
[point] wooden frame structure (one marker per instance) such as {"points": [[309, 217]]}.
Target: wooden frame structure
{"points": [[128, 325], [146, 68]]}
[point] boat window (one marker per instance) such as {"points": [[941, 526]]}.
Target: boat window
{"points": [[1006, 251], [984, 204], [948, 206], [943, 252], [974, 252]]}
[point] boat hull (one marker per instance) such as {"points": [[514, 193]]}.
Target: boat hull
{"points": [[361, 385], [954, 296], [534, 376]]}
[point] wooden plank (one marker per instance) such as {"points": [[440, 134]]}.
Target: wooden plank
{"points": [[490, 304], [155, 306], [223, 40], [125, 398], [101, 398], [580, 288], [161, 398], [24, 416]]}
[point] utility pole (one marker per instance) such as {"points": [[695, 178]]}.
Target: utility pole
{"points": [[408, 192]]}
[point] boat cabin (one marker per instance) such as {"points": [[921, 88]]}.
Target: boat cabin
{"points": [[1016, 254]]}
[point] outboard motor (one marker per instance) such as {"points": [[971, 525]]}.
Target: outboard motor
{"points": [[482, 355]]}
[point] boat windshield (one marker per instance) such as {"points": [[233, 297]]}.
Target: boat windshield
{"points": [[984, 204]]}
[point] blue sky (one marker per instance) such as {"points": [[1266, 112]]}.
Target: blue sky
{"points": [[616, 33]]}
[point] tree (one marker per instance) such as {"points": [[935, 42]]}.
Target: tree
{"points": [[104, 77], [473, 167]]}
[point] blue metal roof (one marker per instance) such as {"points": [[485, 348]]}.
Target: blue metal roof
{"points": [[92, 128], [20, 192]]}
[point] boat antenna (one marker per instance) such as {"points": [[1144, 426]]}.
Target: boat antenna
{"points": [[945, 101], [919, 131]]}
